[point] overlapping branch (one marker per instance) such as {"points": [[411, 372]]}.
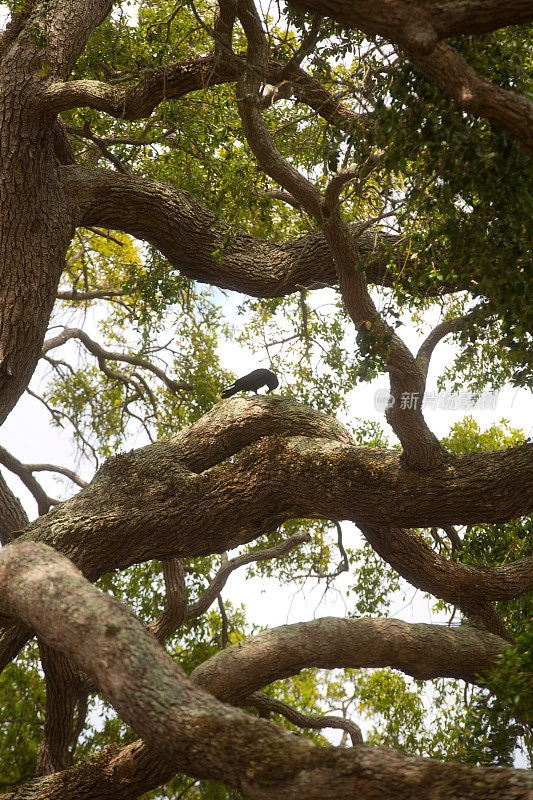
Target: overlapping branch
{"points": [[263, 702], [181, 78], [423, 23], [176, 600], [421, 650], [62, 689], [420, 446]]}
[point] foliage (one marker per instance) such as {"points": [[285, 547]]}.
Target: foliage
{"points": [[22, 699]]}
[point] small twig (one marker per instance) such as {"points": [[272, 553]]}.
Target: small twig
{"points": [[106, 236], [103, 355], [24, 473], [227, 567], [264, 702], [61, 470]]}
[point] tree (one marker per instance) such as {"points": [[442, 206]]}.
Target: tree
{"points": [[387, 147]]}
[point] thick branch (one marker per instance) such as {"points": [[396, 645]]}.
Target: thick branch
{"points": [[12, 515], [423, 22], [466, 586], [475, 94], [176, 600], [177, 80], [258, 137], [54, 34], [421, 448], [62, 685], [423, 651], [192, 730], [149, 502], [200, 247], [415, 560]]}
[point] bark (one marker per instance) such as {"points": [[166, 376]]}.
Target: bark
{"points": [[242, 469], [62, 687], [12, 640], [421, 448], [190, 729], [35, 232], [12, 515], [179, 79], [37, 219]]}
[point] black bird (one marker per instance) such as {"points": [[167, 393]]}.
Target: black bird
{"points": [[252, 382]]}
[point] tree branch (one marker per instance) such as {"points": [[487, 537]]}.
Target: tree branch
{"points": [[95, 294], [179, 79], [219, 581], [176, 600], [56, 32], [470, 587], [418, 649], [423, 357], [200, 247], [421, 447], [12, 515], [475, 94], [62, 687], [423, 22], [68, 473], [24, 472]]}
